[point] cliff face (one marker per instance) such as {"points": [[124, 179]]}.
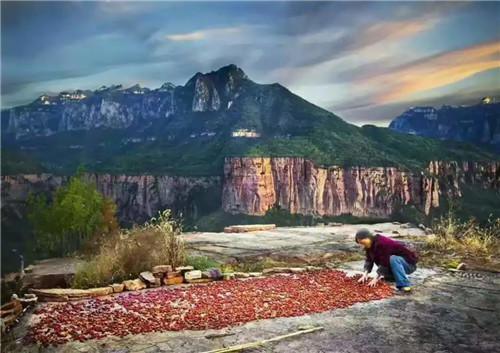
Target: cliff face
{"points": [[138, 198], [254, 185]]}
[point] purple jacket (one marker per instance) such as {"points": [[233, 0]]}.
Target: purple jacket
{"points": [[381, 251]]}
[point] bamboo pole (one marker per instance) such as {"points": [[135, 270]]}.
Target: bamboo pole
{"points": [[260, 343]]}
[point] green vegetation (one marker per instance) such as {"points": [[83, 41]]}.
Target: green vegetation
{"points": [[77, 214], [201, 263], [129, 252], [227, 268], [216, 221], [17, 239], [479, 203], [257, 265], [20, 162]]}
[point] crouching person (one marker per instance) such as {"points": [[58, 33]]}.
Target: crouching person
{"points": [[394, 260]]}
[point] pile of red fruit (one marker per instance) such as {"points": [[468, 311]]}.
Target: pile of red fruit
{"points": [[212, 306]]}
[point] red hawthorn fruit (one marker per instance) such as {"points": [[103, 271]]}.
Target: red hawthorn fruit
{"points": [[211, 306]]}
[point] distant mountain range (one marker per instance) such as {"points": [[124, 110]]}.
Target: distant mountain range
{"points": [[190, 129], [479, 124]]}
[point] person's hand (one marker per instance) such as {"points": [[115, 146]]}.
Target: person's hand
{"points": [[363, 278], [373, 282]]}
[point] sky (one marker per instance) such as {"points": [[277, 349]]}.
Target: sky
{"points": [[365, 61]]}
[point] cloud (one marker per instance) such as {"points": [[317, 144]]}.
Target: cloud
{"points": [[344, 53], [203, 34], [382, 115], [432, 72], [394, 30]]}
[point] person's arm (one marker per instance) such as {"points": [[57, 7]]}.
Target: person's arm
{"points": [[368, 268], [381, 272]]}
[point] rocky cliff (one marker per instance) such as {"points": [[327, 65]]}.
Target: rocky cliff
{"points": [[478, 123], [254, 185], [138, 198]]}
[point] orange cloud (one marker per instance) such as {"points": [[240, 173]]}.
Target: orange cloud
{"points": [[203, 34], [399, 29], [436, 71]]}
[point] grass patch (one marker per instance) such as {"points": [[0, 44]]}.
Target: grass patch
{"points": [[256, 265], [201, 263]]}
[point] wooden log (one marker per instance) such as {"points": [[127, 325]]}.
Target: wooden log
{"points": [[199, 280], [260, 343]]}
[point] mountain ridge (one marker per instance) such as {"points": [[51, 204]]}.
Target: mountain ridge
{"points": [[190, 129], [477, 123]]}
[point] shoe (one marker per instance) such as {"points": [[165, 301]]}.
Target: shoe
{"points": [[402, 291]]}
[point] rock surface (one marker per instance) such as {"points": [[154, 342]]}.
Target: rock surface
{"points": [[298, 244], [147, 277], [133, 285], [51, 273], [248, 228], [117, 287]]}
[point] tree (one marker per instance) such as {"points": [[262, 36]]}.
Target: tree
{"points": [[75, 214]]}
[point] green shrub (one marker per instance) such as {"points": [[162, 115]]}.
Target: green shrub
{"points": [[201, 263], [77, 214]]}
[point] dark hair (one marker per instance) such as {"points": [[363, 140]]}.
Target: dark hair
{"points": [[363, 233]]}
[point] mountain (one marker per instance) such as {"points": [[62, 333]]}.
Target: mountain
{"points": [[190, 129], [223, 144], [479, 124]]}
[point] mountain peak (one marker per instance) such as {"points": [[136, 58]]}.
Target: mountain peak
{"points": [[224, 74], [487, 100], [167, 86], [110, 88], [231, 69]]}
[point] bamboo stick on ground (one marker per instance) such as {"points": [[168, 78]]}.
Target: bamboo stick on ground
{"points": [[260, 343]]}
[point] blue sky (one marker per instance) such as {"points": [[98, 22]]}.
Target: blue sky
{"points": [[365, 61]]}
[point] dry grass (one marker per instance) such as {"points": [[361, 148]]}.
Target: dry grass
{"points": [[468, 237], [455, 241], [126, 254]]}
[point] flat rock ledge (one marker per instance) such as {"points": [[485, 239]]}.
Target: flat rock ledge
{"points": [[64, 295], [248, 228]]}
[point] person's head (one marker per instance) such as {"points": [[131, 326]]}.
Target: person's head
{"points": [[364, 237]]}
